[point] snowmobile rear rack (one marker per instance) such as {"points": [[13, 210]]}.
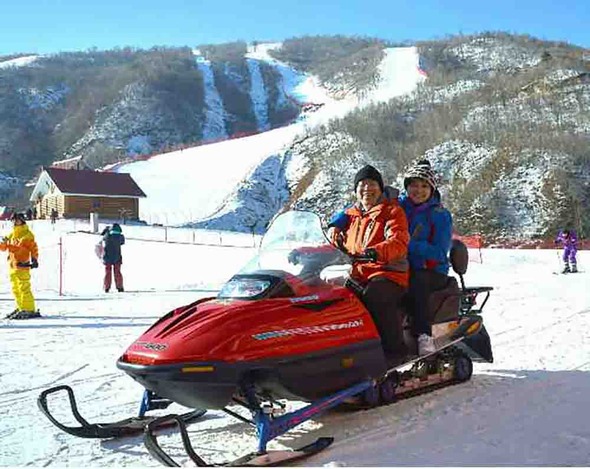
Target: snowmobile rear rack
{"points": [[125, 427], [468, 300]]}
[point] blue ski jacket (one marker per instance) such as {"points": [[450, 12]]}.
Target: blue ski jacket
{"points": [[431, 232]]}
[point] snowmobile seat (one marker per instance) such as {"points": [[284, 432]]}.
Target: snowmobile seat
{"points": [[444, 304]]}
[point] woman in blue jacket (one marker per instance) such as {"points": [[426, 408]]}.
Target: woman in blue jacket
{"points": [[430, 228]]}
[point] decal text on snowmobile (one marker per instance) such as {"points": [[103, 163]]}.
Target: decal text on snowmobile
{"points": [[152, 346], [304, 298], [308, 330]]}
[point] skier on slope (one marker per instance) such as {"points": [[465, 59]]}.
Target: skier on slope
{"points": [[570, 247]]}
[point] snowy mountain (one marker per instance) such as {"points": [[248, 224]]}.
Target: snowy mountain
{"points": [[504, 118], [505, 121], [260, 172]]}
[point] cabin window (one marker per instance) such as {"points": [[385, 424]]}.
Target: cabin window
{"points": [[96, 204]]}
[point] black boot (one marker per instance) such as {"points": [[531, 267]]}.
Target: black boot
{"points": [[566, 269], [12, 314], [574, 268], [26, 315]]}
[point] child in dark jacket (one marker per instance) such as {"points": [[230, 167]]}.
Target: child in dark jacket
{"points": [[112, 259]]}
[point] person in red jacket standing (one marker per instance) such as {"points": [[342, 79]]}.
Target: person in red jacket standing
{"points": [[377, 227]]}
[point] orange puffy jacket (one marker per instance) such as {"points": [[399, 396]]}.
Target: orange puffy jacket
{"points": [[21, 246], [384, 228]]}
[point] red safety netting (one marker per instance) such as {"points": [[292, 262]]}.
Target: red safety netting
{"points": [[474, 244]]}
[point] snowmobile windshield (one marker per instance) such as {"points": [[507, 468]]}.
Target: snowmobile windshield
{"points": [[295, 249]]}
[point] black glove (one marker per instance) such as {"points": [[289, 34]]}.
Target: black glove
{"points": [[294, 257], [34, 263], [370, 254]]}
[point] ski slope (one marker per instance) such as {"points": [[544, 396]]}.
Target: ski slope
{"points": [[191, 184], [528, 408], [19, 61]]}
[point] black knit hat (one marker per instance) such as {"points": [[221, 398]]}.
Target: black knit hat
{"points": [[18, 216], [421, 170], [368, 172]]}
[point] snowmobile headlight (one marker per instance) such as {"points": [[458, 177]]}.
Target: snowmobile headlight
{"points": [[244, 288]]}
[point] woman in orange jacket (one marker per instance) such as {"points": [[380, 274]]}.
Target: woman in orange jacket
{"points": [[377, 227], [22, 257]]}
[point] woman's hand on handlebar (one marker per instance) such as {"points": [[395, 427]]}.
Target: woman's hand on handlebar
{"points": [[369, 255]]}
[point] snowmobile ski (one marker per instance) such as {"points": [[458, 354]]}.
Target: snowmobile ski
{"points": [[121, 428], [266, 458], [268, 428]]}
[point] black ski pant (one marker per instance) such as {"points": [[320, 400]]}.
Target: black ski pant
{"points": [[422, 283], [382, 297]]}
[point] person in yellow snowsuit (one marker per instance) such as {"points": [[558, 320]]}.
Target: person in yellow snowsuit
{"points": [[22, 257]]}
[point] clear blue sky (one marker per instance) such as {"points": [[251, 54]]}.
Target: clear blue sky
{"points": [[47, 26]]}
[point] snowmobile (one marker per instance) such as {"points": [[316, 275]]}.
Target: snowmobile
{"points": [[290, 326]]}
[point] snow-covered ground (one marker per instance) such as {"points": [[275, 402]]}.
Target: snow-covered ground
{"points": [[528, 408], [19, 61]]}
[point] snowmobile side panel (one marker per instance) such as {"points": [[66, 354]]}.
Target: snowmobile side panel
{"points": [[316, 375]]}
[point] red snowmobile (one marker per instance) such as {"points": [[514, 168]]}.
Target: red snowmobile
{"points": [[290, 325]]}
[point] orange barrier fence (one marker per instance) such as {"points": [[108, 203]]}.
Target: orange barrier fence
{"points": [[474, 243]]}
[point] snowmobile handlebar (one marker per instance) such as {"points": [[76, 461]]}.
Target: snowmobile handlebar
{"points": [[369, 255], [363, 258]]}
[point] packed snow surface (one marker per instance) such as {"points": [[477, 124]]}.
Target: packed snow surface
{"points": [[530, 407], [19, 61]]}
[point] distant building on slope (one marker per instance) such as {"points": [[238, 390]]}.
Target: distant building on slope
{"points": [[71, 163], [77, 193]]}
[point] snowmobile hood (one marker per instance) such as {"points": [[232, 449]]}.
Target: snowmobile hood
{"points": [[231, 330]]}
